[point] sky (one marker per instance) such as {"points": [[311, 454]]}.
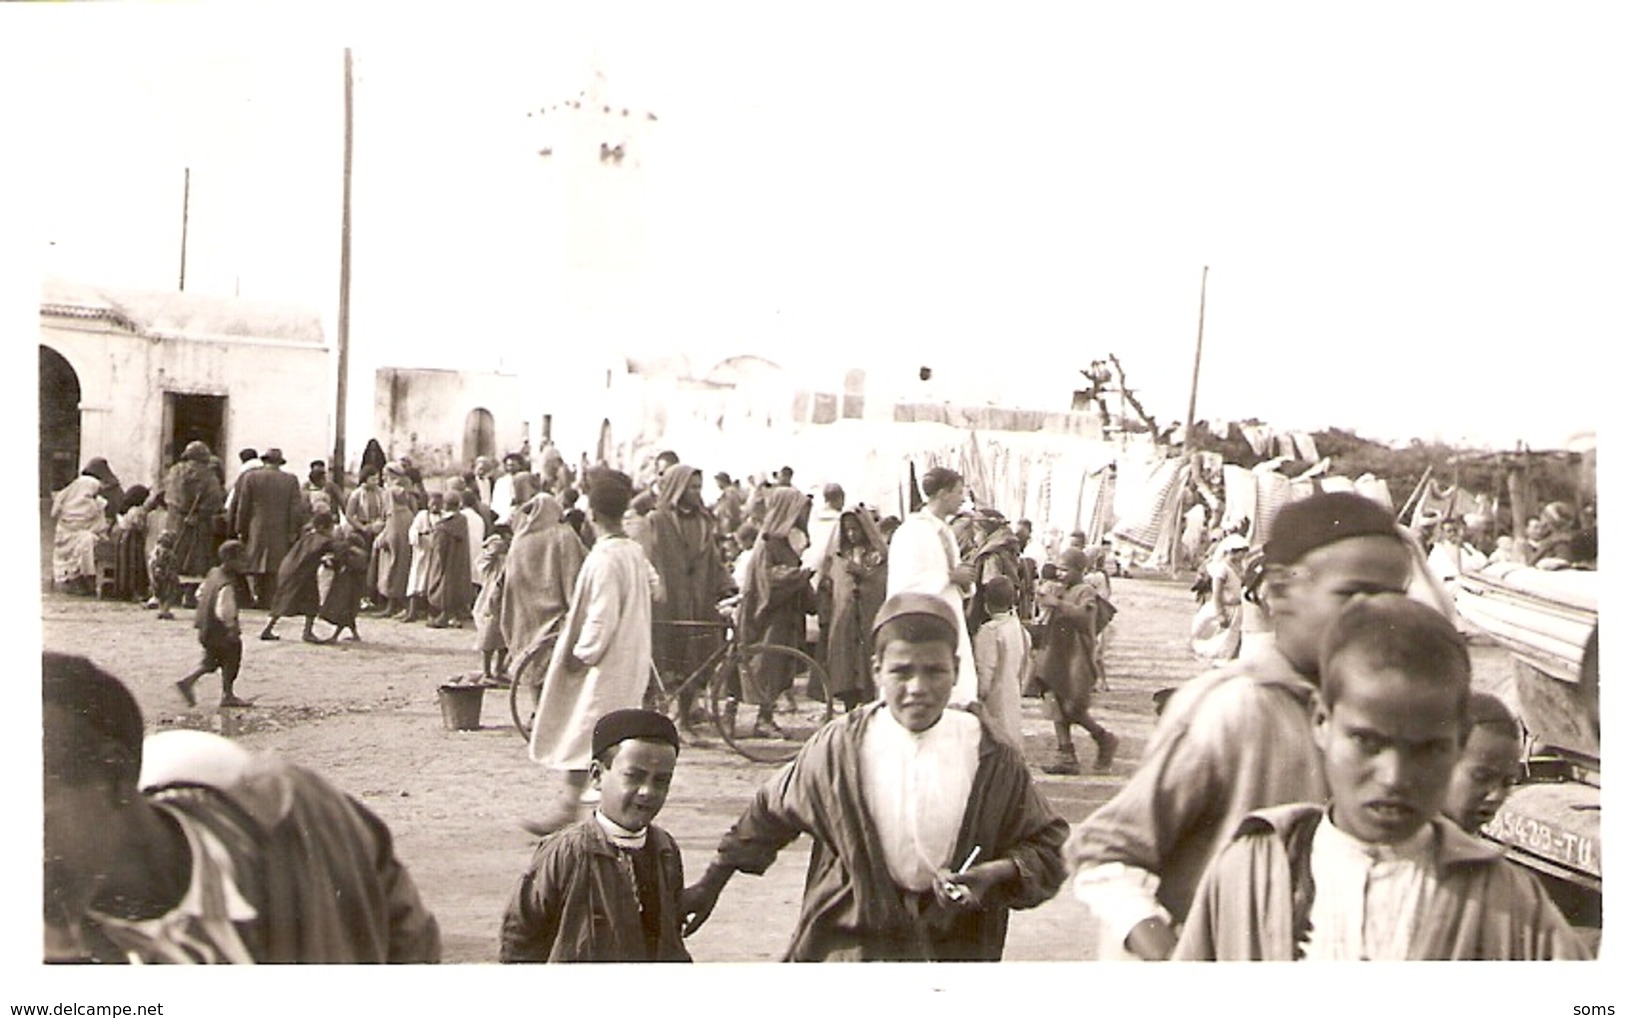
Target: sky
{"points": [[1409, 213]]}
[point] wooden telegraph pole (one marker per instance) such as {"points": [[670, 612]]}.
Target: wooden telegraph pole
{"points": [[344, 279], [1190, 430], [1196, 370], [186, 212]]}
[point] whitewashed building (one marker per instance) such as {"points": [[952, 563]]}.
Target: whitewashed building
{"points": [[134, 376]]}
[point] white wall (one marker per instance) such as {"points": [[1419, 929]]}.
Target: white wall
{"points": [[277, 394], [422, 413]]}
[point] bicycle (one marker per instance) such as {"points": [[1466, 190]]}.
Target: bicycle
{"points": [[799, 711], [734, 667], [538, 654]]}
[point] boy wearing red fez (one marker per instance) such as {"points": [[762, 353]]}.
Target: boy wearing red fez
{"points": [[606, 888]]}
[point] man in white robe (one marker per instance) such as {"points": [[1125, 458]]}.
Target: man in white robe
{"points": [[924, 559], [602, 659]]}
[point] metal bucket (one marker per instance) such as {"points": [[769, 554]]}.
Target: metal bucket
{"points": [[460, 707]]}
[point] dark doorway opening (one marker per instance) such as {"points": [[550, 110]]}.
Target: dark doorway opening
{"points": [[58, 422], [191, 417], [59, 464], [479, 435]]}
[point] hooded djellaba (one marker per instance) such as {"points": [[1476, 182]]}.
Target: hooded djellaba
{"points": [[773, 608], [857, 571], [680, 537], [537, 579], [448, 574], [193, 499]]}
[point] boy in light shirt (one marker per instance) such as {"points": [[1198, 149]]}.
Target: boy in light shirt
{"points": [[1003, 653], [927, 828], [1379, 873]]}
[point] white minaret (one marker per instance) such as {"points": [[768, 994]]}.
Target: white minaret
{"points": [[594, 298]]}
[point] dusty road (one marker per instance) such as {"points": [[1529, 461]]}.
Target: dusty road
{"points": [[366, 715]]}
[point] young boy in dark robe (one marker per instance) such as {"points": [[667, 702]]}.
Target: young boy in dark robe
{"points": [[297, 592], [343, 601], [217, 627], [448, 579], [1068, 668], [606, 888]]}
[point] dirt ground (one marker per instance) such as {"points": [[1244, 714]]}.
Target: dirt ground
{"points": [[366, 715]]}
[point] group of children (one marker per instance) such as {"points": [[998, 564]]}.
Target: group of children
{"points": [[928, 830], [217, 615], [1384, 870]]}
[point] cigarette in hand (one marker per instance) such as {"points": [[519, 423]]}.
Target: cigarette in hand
{"points": [[956, 892], [975, 851]]}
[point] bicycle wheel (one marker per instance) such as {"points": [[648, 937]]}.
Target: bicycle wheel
{"points": [[799, 711], [686, 656], [532, 661]]}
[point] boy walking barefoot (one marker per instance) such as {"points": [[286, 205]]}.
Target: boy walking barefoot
{"points": [[1069, 668], [217, 626], [606, 888], [1379, 873]]}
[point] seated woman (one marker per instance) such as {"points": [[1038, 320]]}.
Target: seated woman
{"points": [[80, 512], [129, 546]]}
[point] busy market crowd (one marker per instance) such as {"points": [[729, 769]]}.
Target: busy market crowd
{"points": [[1314, 793]]}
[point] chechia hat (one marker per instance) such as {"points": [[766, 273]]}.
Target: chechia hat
{"points": [[632, 723], [1301, 527], [912, 603]]}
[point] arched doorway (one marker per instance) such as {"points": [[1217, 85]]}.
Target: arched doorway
{"points": [[479, 435], [58, 441], [58, 422]]}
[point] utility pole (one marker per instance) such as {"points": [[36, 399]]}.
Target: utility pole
{"points": [[1190, 427], [344, 276], [186, 209], [1196, 371]]}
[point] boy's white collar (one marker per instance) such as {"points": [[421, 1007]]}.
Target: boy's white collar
{"points": [[619, 836]]}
